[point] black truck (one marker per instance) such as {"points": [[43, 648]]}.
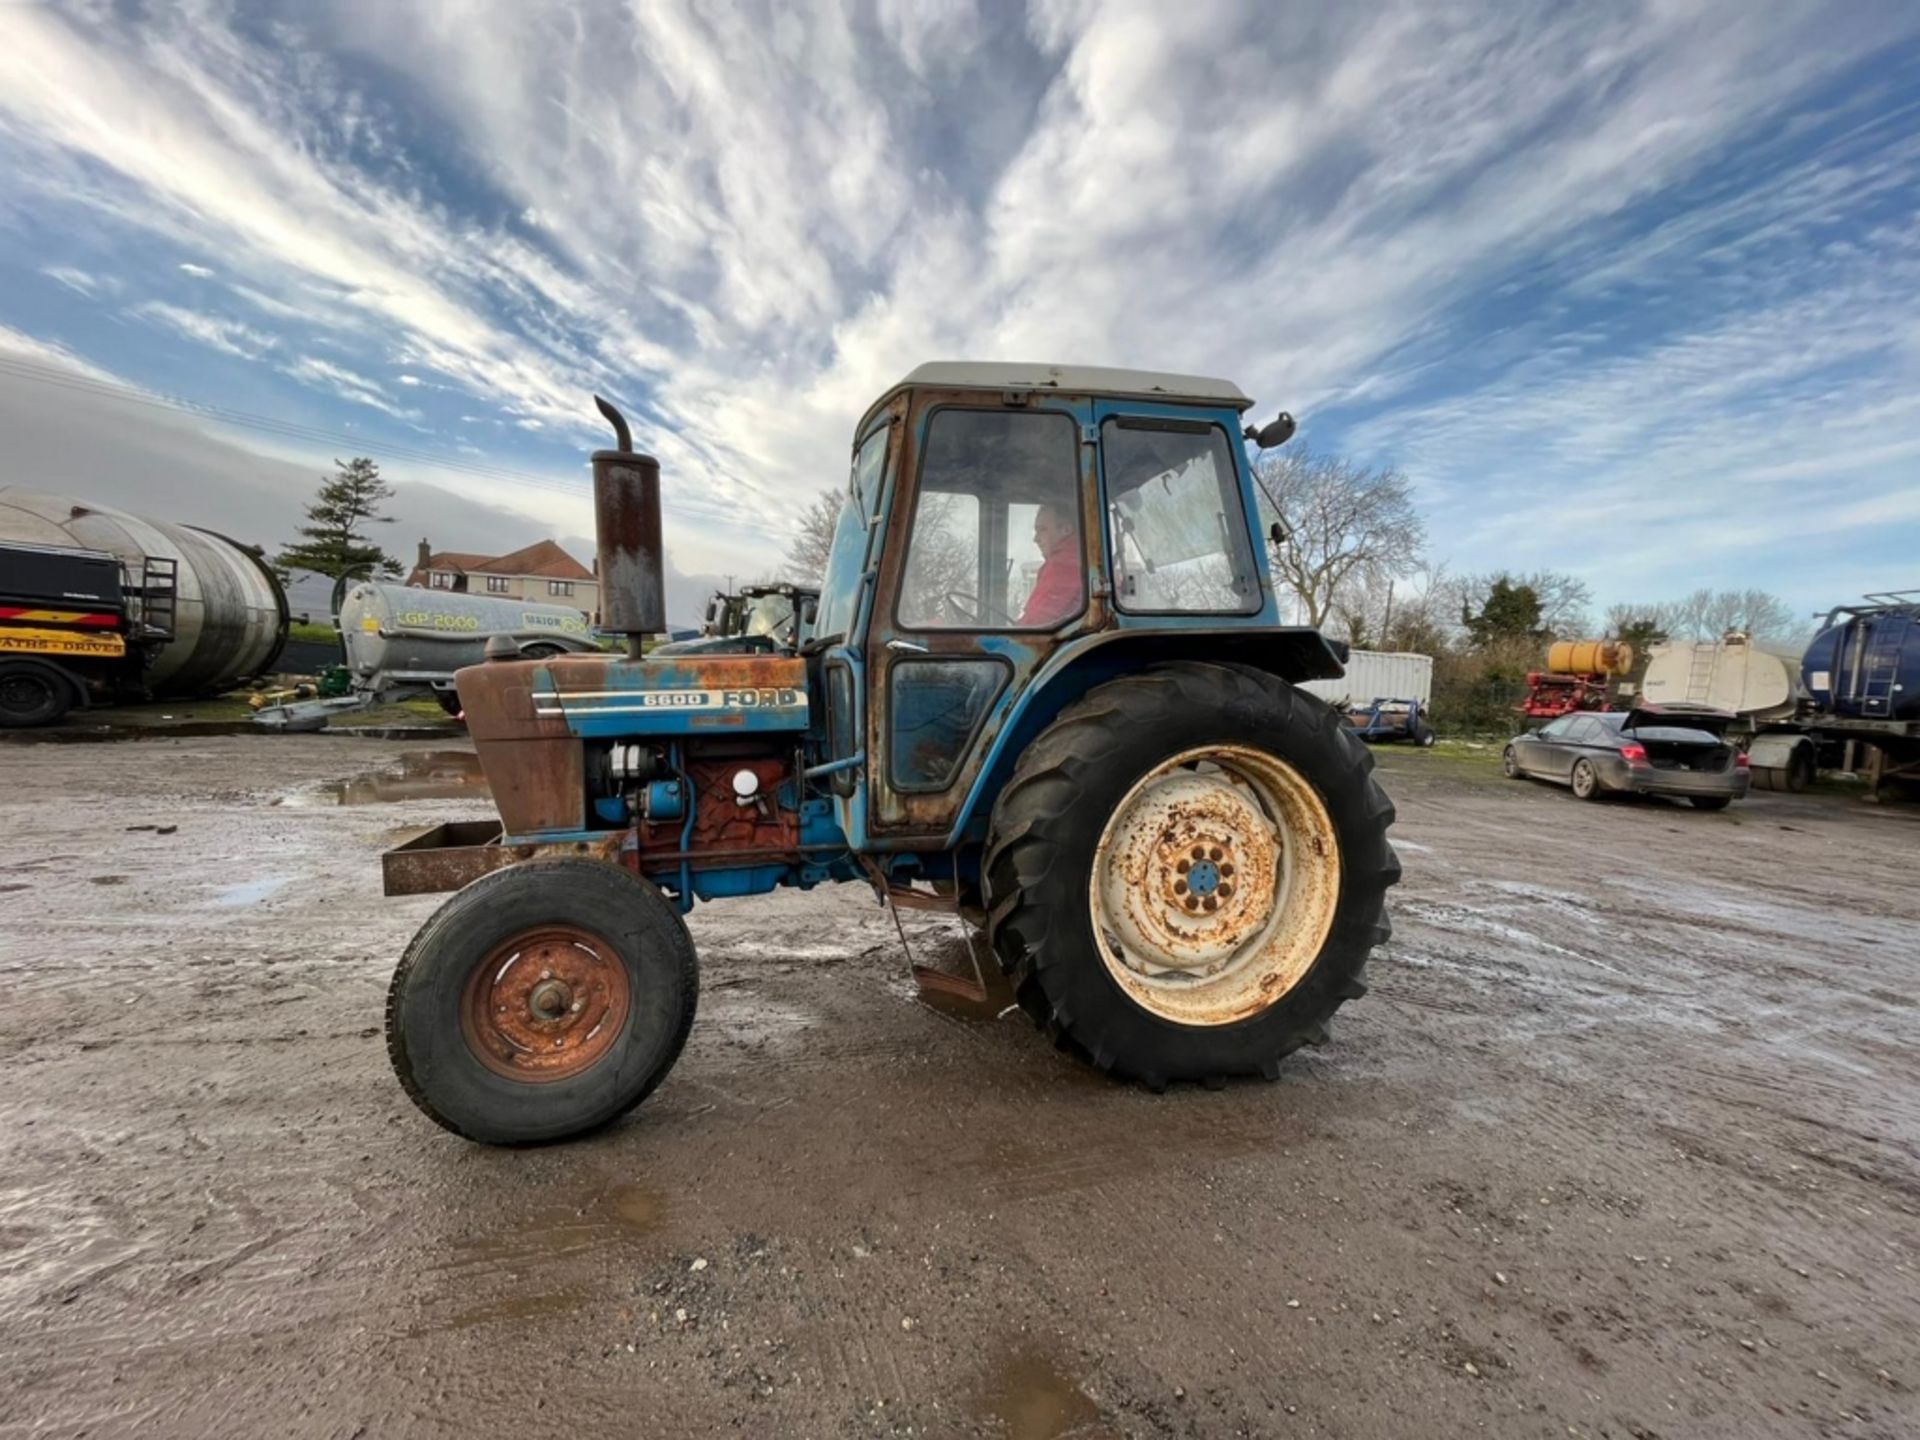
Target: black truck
{"points": [[76, 629]]}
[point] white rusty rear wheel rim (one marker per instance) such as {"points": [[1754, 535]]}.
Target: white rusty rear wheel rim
{"points": [[1214, 885]]}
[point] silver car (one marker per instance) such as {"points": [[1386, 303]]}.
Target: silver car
{"points": [[1643, 752]]}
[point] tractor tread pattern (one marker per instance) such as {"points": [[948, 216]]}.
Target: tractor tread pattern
{"points": [[1085, 740]]}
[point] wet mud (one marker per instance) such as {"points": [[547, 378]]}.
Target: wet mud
{"points": [[1624, 1142]]}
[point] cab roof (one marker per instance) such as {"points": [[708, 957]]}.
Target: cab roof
{"points": [[1002, 375]]}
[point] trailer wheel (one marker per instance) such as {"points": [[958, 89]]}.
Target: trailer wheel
{"points": [[1423, 734], [1800, 769], [32, 694], [542, 1001], [1187, 872]]}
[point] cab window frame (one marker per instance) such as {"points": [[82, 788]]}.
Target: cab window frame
{"points": [[1234, 488], [901, 624]]}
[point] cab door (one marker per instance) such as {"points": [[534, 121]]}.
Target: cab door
{"points": [[994, 564]]}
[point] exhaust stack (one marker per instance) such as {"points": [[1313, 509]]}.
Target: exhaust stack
{"points": [[633, 562]]}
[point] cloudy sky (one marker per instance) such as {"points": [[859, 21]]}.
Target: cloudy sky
{"points": [[1627, 290]]}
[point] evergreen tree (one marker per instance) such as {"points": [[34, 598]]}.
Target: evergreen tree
{"points": [[1511, 611], [332, 541]]}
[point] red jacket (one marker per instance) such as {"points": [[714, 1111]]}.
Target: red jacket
{"points": [[1057, 589]]}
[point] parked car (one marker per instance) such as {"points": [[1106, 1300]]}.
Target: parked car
{"points": [[1642, 751]]}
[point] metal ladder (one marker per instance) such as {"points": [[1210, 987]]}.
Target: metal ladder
{"points": [[159, 592], [1700, 673]]}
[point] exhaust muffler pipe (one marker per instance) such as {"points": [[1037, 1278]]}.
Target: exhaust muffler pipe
{"points": [[633, 556]]}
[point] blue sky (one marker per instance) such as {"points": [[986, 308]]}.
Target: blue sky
{"points": [[1627, 290]]}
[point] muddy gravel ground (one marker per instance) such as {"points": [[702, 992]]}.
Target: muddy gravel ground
{"points": [[1624, 1142]]}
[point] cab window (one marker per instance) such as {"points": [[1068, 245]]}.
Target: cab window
{"points": [[847, 558], [1175, 519], [996, 541]]}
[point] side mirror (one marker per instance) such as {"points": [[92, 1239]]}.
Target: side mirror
{"points": [[1274, 433]]}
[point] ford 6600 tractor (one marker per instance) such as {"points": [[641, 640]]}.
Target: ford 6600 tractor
{"points": [[1046, 687]]}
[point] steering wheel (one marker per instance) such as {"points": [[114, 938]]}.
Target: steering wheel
{"points": [[968, 607]]}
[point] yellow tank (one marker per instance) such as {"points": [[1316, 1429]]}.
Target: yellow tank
{"points": [[1590, 657]]}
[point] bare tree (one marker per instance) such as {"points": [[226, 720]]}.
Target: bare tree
{"points": [[1346, 525], [1709, 614], [813, 536]]}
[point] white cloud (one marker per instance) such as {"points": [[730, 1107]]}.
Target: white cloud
{"points": [[347, 384], [80, 281], [229, 337], [199, 272], [744, 223], [40, 352]]}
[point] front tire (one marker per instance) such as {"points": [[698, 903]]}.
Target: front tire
{"points": [[542, 1001], [1510, 764], [32, 694], [1187, 871]]}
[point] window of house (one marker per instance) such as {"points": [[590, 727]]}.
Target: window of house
{"points": [[440, 580], [1178, 525], [996, 530], [499, 585], [560, 587]]}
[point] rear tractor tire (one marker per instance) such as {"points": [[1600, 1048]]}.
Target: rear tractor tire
{"points": [[542, 1001], [1187, 872]]}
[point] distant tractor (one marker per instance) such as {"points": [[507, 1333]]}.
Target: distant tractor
{"points": [[1047, 688], [781, 613], [76, 630]]}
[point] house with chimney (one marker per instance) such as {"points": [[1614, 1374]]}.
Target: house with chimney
{"points": [[541, 571]]}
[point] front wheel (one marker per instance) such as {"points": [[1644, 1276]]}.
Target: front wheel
{"points": [[542, 1001], [32, 694], [1510, 763], [1187, 872]]}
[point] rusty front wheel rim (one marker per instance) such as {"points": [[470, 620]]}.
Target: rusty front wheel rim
{"points": [[546, 1004], [1214, 885]]}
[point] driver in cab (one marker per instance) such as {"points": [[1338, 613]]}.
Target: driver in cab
{"points": [[1059, 587]]}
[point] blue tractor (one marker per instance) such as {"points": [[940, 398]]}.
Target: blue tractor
{"points": [[1046, 687]]}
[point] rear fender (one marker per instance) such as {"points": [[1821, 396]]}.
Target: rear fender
{"points": [[1292, 654]]}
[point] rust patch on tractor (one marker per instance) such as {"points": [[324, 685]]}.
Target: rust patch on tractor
{"points": [[1214, 885], [545, 1005]]}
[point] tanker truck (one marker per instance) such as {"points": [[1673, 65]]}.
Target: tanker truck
{"points": [[1858, 681], [1861, 674], [1758, 684], [401, 641]]}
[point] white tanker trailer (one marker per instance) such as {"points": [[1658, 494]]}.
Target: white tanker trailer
{"points": [[1758, 684], [400, 641]]}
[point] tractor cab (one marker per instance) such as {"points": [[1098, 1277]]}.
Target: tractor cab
{"points": [[1008, 525], [1045, 687]]}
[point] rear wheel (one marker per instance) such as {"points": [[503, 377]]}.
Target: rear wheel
{"points": [[542, 1001], [1586, 780], [1710, 802], [32, 695], [1422, 734], [1187, 872]]}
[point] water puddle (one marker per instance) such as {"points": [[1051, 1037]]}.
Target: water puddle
{"points": [[251, 892], [635, 1208], [160, 730], [1032, 1400], [422, 775]]}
